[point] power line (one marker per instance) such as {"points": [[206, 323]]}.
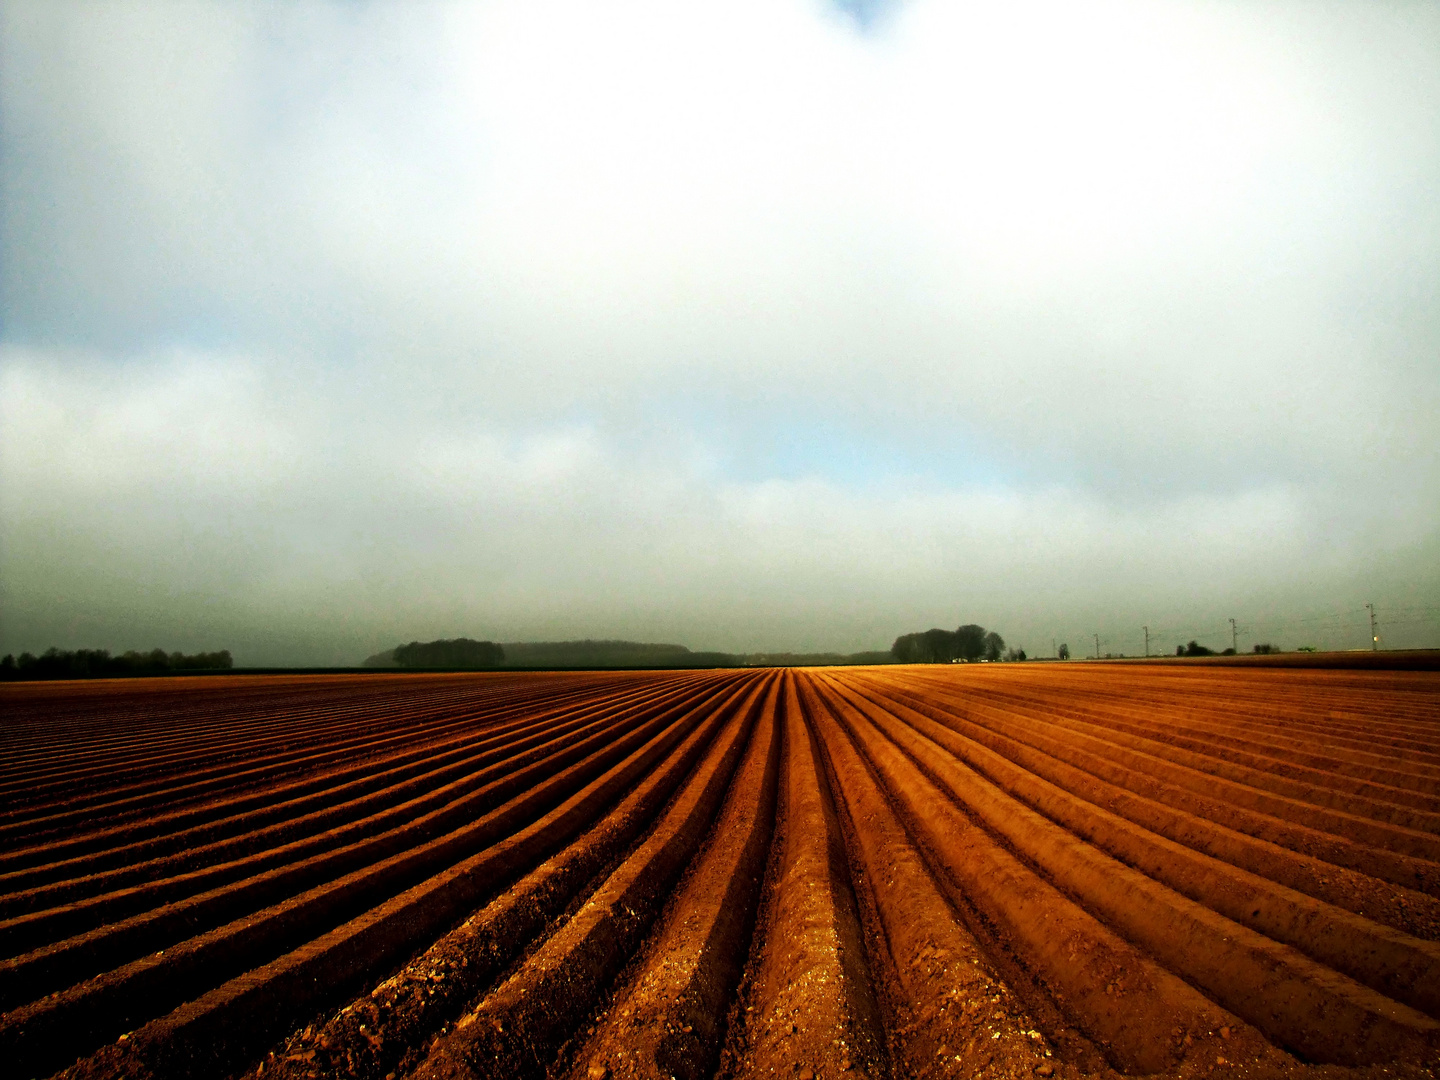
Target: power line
{"points": [[1326, 625]]}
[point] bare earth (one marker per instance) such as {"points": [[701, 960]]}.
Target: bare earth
{"points": [[1023, 870]]}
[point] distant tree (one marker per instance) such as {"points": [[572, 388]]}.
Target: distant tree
{"points": [[56, 663], [970, 642], [940, 646], [710, 658], [994, 646], [609, 653], [214, 660], [1196, 649], [928, 647], [906, 649], [869, 657], [1179, 650], [1015, 654], [1228, 652], [1063, 652], [1266, 649], [461, 653]]}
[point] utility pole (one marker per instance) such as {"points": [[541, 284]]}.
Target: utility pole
{"points": [[1147, 641], [1234, 638], [1097, 646], [1374, 634]]}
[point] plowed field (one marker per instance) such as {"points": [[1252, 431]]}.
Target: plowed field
{"points": [[1014, 870]]}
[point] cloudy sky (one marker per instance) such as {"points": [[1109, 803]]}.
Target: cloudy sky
{"points": [[775, 325]]}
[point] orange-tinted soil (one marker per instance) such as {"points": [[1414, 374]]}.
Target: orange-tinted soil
{"points": [[1047, 870]]}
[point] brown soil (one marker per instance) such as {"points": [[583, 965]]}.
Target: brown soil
{"points": [[1003, 871]]}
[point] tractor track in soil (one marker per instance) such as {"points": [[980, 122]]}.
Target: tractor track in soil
{"points": [[1047, 870]]}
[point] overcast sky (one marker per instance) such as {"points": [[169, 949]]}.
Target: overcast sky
{"points": [[775, 325]]}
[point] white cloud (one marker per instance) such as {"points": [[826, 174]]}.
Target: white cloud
{"points": [[75, 428]]}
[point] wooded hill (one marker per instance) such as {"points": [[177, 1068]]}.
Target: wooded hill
{"points": [[608, 654], [550, 654]]}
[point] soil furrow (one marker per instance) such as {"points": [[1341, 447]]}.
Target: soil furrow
{"points": [[384, 1029], [172, 971], [1332, 869], [232, 1021], [1041, 871], [811, 1007], [1118, 997], [1298, 1003], [287, 841], [944, 996], [517, 1029], [670, 1021], [1398, 965]]}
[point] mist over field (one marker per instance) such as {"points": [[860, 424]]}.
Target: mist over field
{"points": [[752, 327]]}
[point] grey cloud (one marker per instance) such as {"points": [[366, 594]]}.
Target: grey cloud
{"points": [[323, 325]]}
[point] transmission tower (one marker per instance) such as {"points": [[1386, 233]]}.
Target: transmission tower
{"points": [[1374, 633]]}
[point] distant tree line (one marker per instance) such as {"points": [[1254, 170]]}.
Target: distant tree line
{"points": [[1194, 648], [967, 643], [606, 653], [550, 655], [459, 653], [821, 659], [98, 663]]}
